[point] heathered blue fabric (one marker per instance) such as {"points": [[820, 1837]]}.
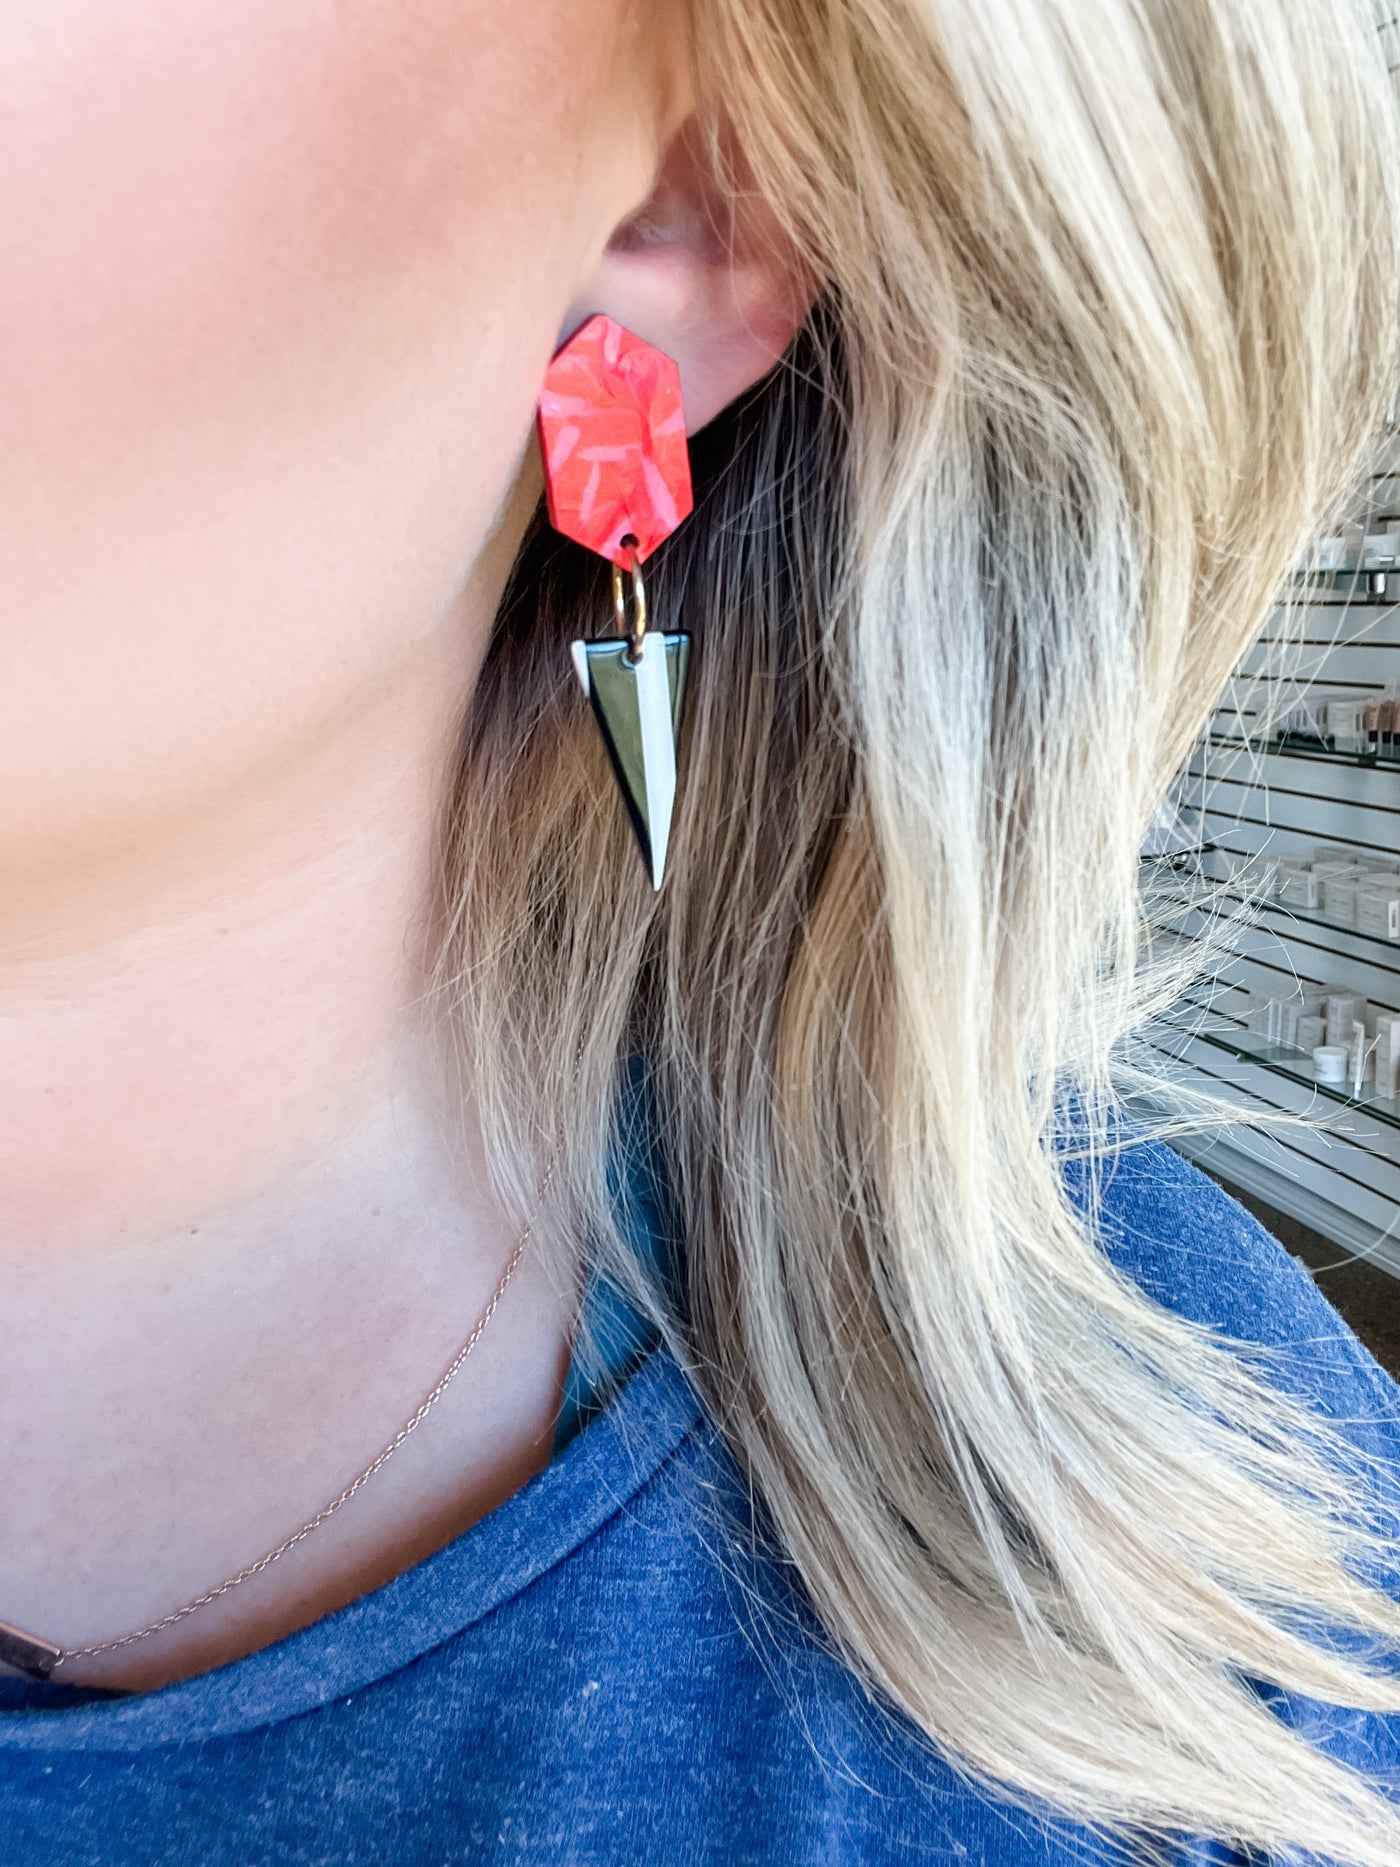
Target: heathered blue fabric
{"points": [[608, 1670]]}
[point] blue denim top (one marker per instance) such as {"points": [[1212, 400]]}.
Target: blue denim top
{"points": [[615, 1668]]}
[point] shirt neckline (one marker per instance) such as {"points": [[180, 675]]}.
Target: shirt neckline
{"points": [[538, 1526]]}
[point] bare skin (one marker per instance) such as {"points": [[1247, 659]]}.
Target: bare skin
{"points": [[288, 279]]}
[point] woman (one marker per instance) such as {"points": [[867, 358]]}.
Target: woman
{"points": [[867, 1447]]}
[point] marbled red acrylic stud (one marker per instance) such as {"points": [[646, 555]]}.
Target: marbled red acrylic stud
{"points": [[612, 433]]}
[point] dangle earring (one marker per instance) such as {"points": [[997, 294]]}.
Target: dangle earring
{"points": [[617, 478]]}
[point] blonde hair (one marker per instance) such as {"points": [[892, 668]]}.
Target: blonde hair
{"points": [[1110, 325]]}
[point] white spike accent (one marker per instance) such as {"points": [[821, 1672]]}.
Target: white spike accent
{"points": [[658, 747], [579, 651]]}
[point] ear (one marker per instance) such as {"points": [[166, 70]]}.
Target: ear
{"points": [[704, 273]]}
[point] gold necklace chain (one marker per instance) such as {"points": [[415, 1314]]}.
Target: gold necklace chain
{"points": [[36, 1657]]}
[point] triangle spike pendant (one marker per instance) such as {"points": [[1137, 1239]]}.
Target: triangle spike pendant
{"points": [[637, 705]]}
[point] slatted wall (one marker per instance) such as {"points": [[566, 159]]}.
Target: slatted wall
{"points": [[1343, 1176]]}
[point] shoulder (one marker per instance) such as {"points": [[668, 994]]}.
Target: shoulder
{"points": [[719, 1714], [1192, 1248], [712, 1653], [800, 1719]]}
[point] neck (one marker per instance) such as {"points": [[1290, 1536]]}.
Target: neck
{"points": [[199, 1018], [244, 1217]]}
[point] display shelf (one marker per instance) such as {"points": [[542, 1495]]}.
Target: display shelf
{"points": [[1279, 910], [1296, 1066], [1370, 589], [1333, 634], [1172, 857], [1298, 745]]}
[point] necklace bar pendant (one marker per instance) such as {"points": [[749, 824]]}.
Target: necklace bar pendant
{"points": [[26, 1653]]}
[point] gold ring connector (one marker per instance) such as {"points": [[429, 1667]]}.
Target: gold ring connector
{"points": [[637, 628]]}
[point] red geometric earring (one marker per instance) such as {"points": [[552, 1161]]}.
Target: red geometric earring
{"points": [[617, 479]]}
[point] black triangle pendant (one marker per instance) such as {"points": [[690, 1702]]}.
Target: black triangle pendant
{"points": [[637, 705]]}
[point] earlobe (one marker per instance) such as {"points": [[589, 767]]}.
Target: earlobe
{"points": [[707, 279]]}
